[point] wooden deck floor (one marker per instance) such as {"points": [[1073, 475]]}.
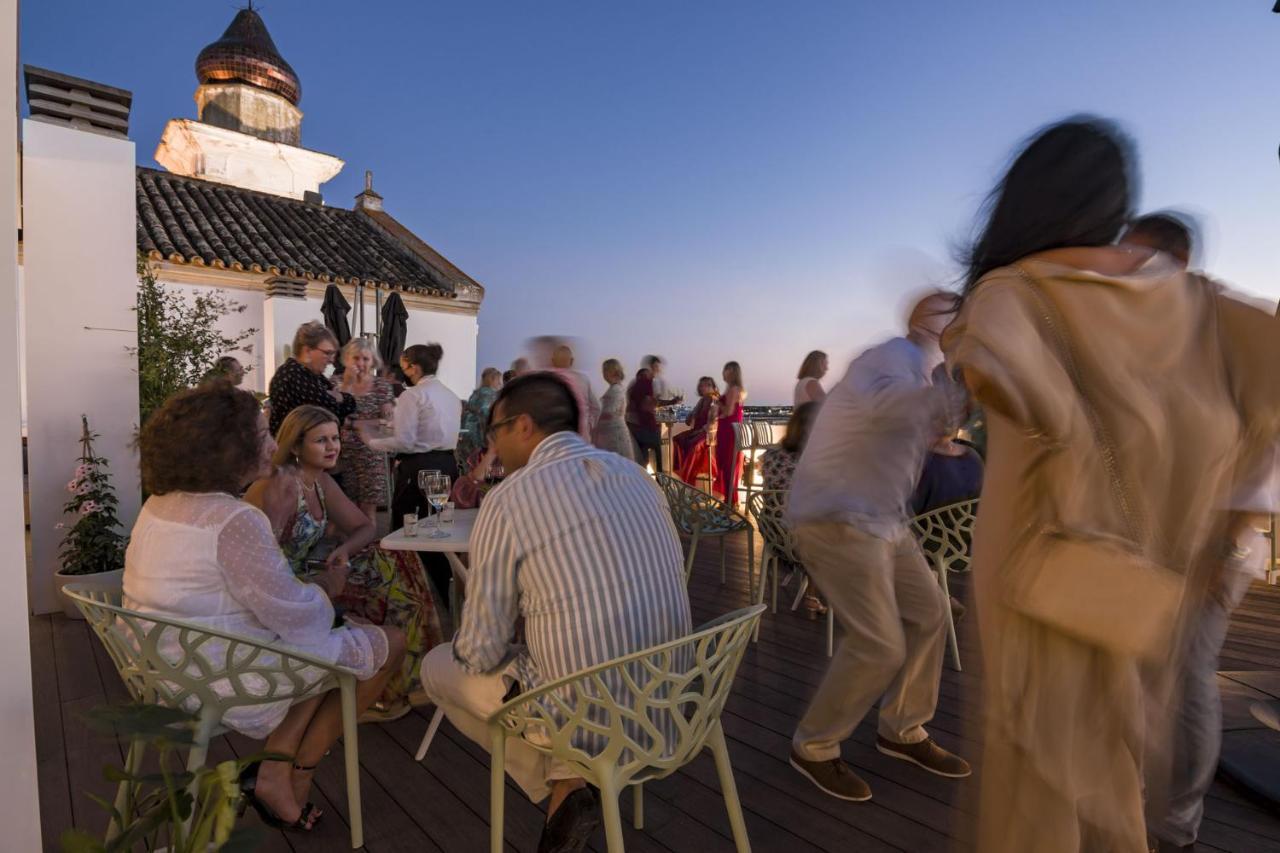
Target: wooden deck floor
{"points": [[442, 803]]}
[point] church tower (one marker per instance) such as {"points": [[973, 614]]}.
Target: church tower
{"points": [[249, 130]]}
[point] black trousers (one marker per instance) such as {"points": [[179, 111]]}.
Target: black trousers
{"points": [[648, 440], [407, 497]]}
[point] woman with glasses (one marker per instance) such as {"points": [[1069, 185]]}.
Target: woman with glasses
{"points": [[300, 381]]}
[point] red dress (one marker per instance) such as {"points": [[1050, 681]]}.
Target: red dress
{"points": [[692, 458], [728, 459]]}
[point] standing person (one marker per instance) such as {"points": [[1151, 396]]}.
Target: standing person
{"points": [[1233, 559], [300, 381], [809, 379], [475, 414], [728, 413], [642, 419], [661, 394], [226, 369], [1052, 312], [519, 366], [578, 544], [364, 470], [690, 451], [848, 508], [611, 431], [589, 404], [425, 428]]}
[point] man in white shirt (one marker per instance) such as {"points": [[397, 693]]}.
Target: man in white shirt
{"points": [[849, 509], [577, 543]]}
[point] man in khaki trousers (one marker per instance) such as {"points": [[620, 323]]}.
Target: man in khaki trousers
{"points": [[849, 510]]}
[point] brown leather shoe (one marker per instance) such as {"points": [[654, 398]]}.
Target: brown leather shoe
{"points": [[833, 777], [927, 754]]}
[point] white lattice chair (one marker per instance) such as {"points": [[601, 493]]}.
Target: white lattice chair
{"points": [[256, 673], [633, 719], [766, 509], [945, 535], [698, 514], [751, 437]]}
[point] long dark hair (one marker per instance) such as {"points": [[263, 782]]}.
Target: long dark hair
{"points": [[1071, 185]]}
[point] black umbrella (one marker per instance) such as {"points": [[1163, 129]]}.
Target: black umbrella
{"points": [[335, 310], [395, 328]]}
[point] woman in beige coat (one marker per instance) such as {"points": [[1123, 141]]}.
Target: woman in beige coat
{"points": [[1182, 385]]}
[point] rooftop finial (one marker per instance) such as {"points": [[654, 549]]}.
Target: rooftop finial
{"points": [[368, 180]]}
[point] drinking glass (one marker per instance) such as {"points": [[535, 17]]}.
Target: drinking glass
{"points": [[437, 494], [424, 480]]}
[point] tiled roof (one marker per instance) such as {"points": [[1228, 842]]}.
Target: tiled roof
{"points": [[189, 221]]}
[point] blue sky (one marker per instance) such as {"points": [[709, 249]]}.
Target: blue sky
{"points": [[718, 180]]}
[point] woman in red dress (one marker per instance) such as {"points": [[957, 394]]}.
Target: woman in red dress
{"points": [[729, 412], [692, 456]]}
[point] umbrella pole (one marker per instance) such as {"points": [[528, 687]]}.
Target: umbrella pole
{"points": [[377, 313]]}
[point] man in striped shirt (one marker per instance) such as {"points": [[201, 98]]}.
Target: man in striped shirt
{"points": [[577, 542]]}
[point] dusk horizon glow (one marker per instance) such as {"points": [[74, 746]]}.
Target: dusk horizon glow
{"points": [[725, 180]]}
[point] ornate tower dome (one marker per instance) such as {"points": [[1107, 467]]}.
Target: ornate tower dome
{"points": [[246, 54]]}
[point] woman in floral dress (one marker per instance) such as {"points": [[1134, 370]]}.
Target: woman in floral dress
{"points": [[382, 587], [611, 430], [364, 470]]}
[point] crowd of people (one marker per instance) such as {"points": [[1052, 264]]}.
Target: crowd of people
{"points": [[1127, 461]]}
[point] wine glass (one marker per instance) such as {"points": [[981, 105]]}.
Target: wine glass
{"points": [[437, 494], [424, 479]]}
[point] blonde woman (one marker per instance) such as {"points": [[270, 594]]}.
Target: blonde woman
{"points": [[383, 587], [611, 431], [809, 379], [364, 470]]}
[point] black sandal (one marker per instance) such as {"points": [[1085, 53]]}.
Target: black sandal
{"points": [[306, 821]]}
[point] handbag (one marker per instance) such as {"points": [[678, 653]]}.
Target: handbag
{"points": [[1098, 588]]}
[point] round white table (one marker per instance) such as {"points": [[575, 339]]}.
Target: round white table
{"points": [[457, 542]]}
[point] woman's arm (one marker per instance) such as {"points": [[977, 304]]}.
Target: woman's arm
{"points": [[356, 528]]}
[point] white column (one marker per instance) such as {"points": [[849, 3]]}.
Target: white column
{"points": [[80, 284], [282, 314], [20, 805]]}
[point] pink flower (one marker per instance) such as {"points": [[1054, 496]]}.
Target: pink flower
{"points": [[59, 526], [88, 507], [81, 470], [85, 488], [73, 485]]}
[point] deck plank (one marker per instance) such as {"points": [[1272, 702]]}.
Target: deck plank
{"points": [[442, 803]]}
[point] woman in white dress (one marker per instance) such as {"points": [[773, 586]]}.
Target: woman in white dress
{"points": [[809, 380], [200, 554], [611, 431]]}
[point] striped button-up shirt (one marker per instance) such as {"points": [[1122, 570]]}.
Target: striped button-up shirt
{"points": [[581, 544]]}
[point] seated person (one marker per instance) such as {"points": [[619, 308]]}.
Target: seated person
{"points": [[578, 543], [382, 587], [691, 456], [952, 473], [199, 553]]}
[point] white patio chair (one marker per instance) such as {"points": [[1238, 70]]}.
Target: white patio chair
{"points": [[780, 546], [257, 674], [698, 514], [945, 535], [627, 721]]}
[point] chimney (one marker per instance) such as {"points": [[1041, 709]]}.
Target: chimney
{"points": [[82, 104], [368, 200]]}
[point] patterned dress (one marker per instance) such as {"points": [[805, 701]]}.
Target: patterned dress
{"points": [[383, 587], [364, 473], [611, 430], [475, 417]]}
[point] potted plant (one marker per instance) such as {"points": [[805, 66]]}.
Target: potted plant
{"points": [[93, 546], [168, 808]]}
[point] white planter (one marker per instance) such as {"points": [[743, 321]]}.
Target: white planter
{"points": [[102, 580]]}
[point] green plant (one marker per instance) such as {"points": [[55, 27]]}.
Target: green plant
{"points": [[94, 542], [184, 811], [179, 338]]}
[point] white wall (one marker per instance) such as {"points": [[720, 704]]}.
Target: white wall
{"points": [[457, 333], [19, 805], [80, 270]]}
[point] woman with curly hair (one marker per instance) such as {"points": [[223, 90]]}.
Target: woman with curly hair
{"points": [[200, 554]]}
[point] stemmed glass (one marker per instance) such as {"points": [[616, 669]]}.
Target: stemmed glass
{"points": [[436, 491], [423, 476]]}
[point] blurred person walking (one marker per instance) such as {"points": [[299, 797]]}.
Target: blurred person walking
{"points": [[849, 510], [1113, 439]]}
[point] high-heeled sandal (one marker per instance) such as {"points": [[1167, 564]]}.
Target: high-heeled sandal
{"points": [[310, 816]]}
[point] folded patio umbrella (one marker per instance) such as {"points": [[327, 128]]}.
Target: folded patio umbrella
{"points": [[334, 309], [395, 326]]}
